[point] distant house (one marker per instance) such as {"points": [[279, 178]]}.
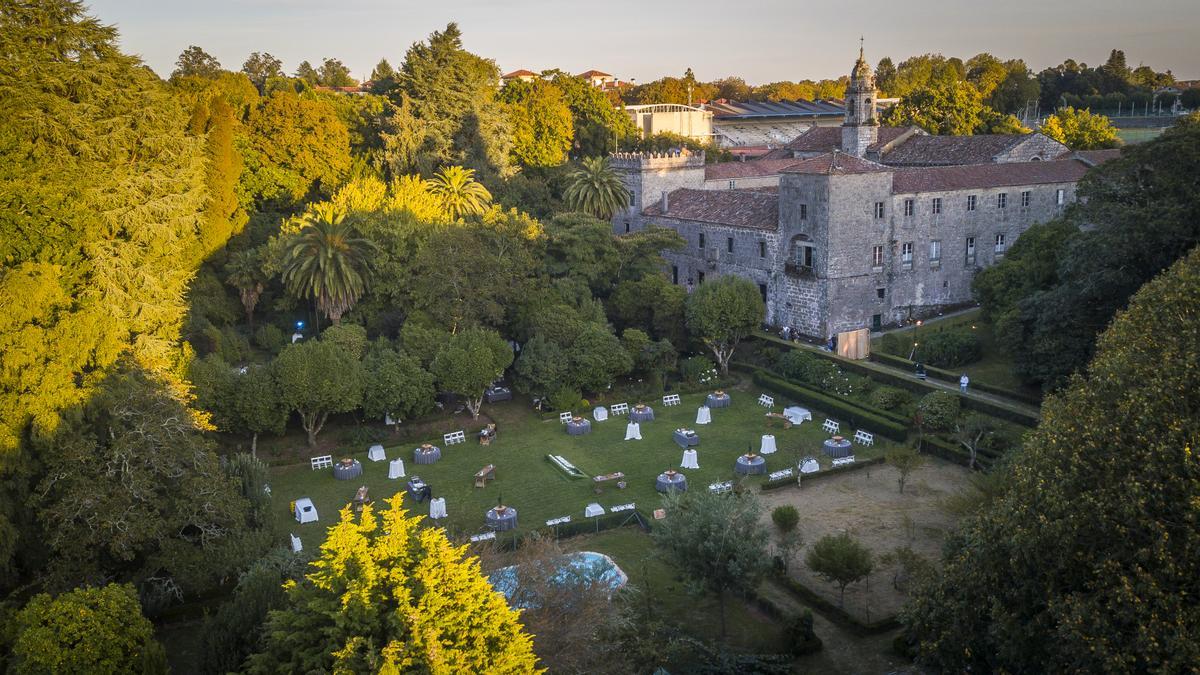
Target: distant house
{"points": [[599, 79], [522, 75]]}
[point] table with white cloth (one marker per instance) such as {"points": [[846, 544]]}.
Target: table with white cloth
{"points": [[768, 445], [578, 426], [501, 518], [797, 414], [750, 464], [670, 481], [689, 460], [837, 447], [717, 400], [685, 438], [437, 508], [347, 469], [703, 415], [395, 469], [427, 454], [600, 414], [641, 413], [633, 431]]}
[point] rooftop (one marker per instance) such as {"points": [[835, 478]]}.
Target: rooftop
{"points": [[907, 180], [747, 169], [594, 73], [755, 209], [827, 139], [924, 150], [835, 163], [519, 73], [763, 109]]}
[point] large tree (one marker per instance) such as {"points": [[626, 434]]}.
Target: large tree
{"points": [[459, 192], [595, 189], [388, 596], [396, 385], [317, 379], [541, 122], [327, 262], [722, 312], [1087, 561], [469, 362], [1080, 129], [195, 62], [260, 67], [840, 559]]}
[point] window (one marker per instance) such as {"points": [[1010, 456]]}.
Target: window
{"points": [[675, 274], [729, 244], [935, 251], [908, 207], [1025, 199], [970, 250], [1002, 200], [627, 227], [877, 256], [937, 205], [877, 322], [700, 277], [1059, 196], [1000, 243], [702, 240], [762, 290], [906, 253], [804, 212], [878, 209], [732, 184], [804, 256], [762, 249], [970, 202], [880, 292]]}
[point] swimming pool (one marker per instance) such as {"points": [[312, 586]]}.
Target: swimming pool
{"points": [[585, 568]]}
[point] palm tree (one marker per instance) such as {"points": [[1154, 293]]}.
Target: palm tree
{"points": [[596, 189], [244, 272], [327, 262], [459, 192]]}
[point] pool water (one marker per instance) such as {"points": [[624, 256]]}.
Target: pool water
{"points": [[585, 568]]}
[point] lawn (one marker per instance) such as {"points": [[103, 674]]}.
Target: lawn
{"points": [[539, 491]]}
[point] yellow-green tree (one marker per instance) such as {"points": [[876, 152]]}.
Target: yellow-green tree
{"points": [[542, 125], [388, 596], [1080, 129]]}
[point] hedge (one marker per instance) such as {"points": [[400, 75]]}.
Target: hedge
{"points": [[853, 413], [845, 468], [833, 612], [952, 378]]}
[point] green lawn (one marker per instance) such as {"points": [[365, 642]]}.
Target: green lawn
{"points": [[536, 488]]}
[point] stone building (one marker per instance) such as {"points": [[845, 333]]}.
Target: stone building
{"points": [[862, 225]]}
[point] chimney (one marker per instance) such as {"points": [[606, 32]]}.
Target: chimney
{"points": [[665, 202]]}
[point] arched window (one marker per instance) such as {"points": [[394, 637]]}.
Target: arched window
{"points": [[1036, 159]]}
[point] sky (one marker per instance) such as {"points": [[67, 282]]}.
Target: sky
{"points": [[759, 40]]}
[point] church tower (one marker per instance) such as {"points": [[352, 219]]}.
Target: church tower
{"points": [[860, 130]]}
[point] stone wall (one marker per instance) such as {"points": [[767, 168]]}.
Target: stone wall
{"points": [[1035, 147], [648, 175]]}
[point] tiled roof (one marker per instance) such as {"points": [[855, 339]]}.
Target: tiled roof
{"points": [[519, 73], [922, 150], [826, 139], [755, 209], [976, 176], [1092, 157], [747, 169], [762, 109], [594, 73], [835, 163]]}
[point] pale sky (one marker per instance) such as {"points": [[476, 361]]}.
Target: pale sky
{"points": [[759, 40]]}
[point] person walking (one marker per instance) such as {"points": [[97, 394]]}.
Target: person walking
{"points": [[963, 382]]}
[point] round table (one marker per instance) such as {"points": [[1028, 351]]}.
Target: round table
{"points": [[501, 520], [427, 455], [643, 414], [715, 401], [750, 464], [685, 438], [578, 426], [837, 447], [669, 481], [343, 471]]}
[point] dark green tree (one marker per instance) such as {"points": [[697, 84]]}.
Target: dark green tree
{"points": [[316, 379], [469, 362], [595, 189], [327, 262], [396, 385], [261, 67], [334, 73], [721, 313], [840, 559], [195, 62]]}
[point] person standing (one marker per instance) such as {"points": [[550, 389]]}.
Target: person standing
{"points": [[963, 382]]}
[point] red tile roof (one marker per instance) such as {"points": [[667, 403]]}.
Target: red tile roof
{"points": [[835, 163], [519, 73], [594, 73], [975, 176], [827, 139], [755, 209], [748, 169]]}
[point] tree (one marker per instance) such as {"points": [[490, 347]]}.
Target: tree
{"points": [[939, 410], [334, 73], [196, 62], [840, 559], [946, 107], [388, 596], [350, 338], [396, 386], [244, 271], [971, 433], [260, 67], [459, 192], [541, 123], [307, 73], [904, 459], [295, 148], [1084, 561], [595, 358], [720, 313], [327, 262], [600, 127], [1080, 129], [469, 362], [87, 630], [317, 379], [596, 189], [258, 405], [718, 540]]}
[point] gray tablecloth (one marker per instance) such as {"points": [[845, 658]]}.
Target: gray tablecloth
{"points": [[668, 482], [753, 465], [418, 490], [684, 440], [836, 449], [714, 401], [343, 472], [644, 415], [430, 456], [501, 521], [578, 428]]}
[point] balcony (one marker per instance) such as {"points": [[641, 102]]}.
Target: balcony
{"points": [[799, 271]]}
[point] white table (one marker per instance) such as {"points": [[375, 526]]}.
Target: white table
{"points": [[633, 431], [797, 414], [375, 454], [600, 414], [396, 469], [437, 508], [690, 461], [703, 415], [768, 445], [593, 510]]}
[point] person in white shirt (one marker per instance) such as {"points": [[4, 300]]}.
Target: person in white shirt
{"points": [[963, 382]]}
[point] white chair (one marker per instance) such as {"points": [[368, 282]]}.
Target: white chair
{"points": [[703, 415], [297, 545], [766, 401], [780, 475], [768, 445], [322, 462], [831, 426], [843, 461], [395, 469], [376, 454], [619, 408], [600, 414], [671, 399], [454, 438], [864, 438], [633, 431], [565, 417], [690, 460]]}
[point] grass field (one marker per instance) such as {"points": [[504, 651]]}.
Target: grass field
{"points": [[536, 488]]}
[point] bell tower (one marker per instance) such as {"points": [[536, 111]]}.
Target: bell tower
{"points": [[860, 129]]}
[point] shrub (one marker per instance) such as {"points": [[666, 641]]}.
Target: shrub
{"points": [[697, 370], [807, 368], [890, 398], [949, 347], [565, 399], [939, 410], [891, 344], [800, 636], [270, 338], [785, 517]]}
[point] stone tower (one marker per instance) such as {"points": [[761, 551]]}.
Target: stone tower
{"points": [[649, 176], [861, 127]]}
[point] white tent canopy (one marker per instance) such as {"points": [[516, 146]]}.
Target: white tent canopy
{"points": [[305, 511]]}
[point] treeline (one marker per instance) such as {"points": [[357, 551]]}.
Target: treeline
{"points": [[687, 89]]}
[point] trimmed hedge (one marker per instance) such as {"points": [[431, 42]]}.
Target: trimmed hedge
{"points": [[846, 468], [952, 378], [853, 413], [834, 613]]}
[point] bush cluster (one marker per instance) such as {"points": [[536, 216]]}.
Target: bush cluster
{"points": [[889, 398], [949, 347], [939, 410], [785, 517]]}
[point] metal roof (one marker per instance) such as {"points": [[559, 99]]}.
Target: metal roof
{"points": [[763, 109]]}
